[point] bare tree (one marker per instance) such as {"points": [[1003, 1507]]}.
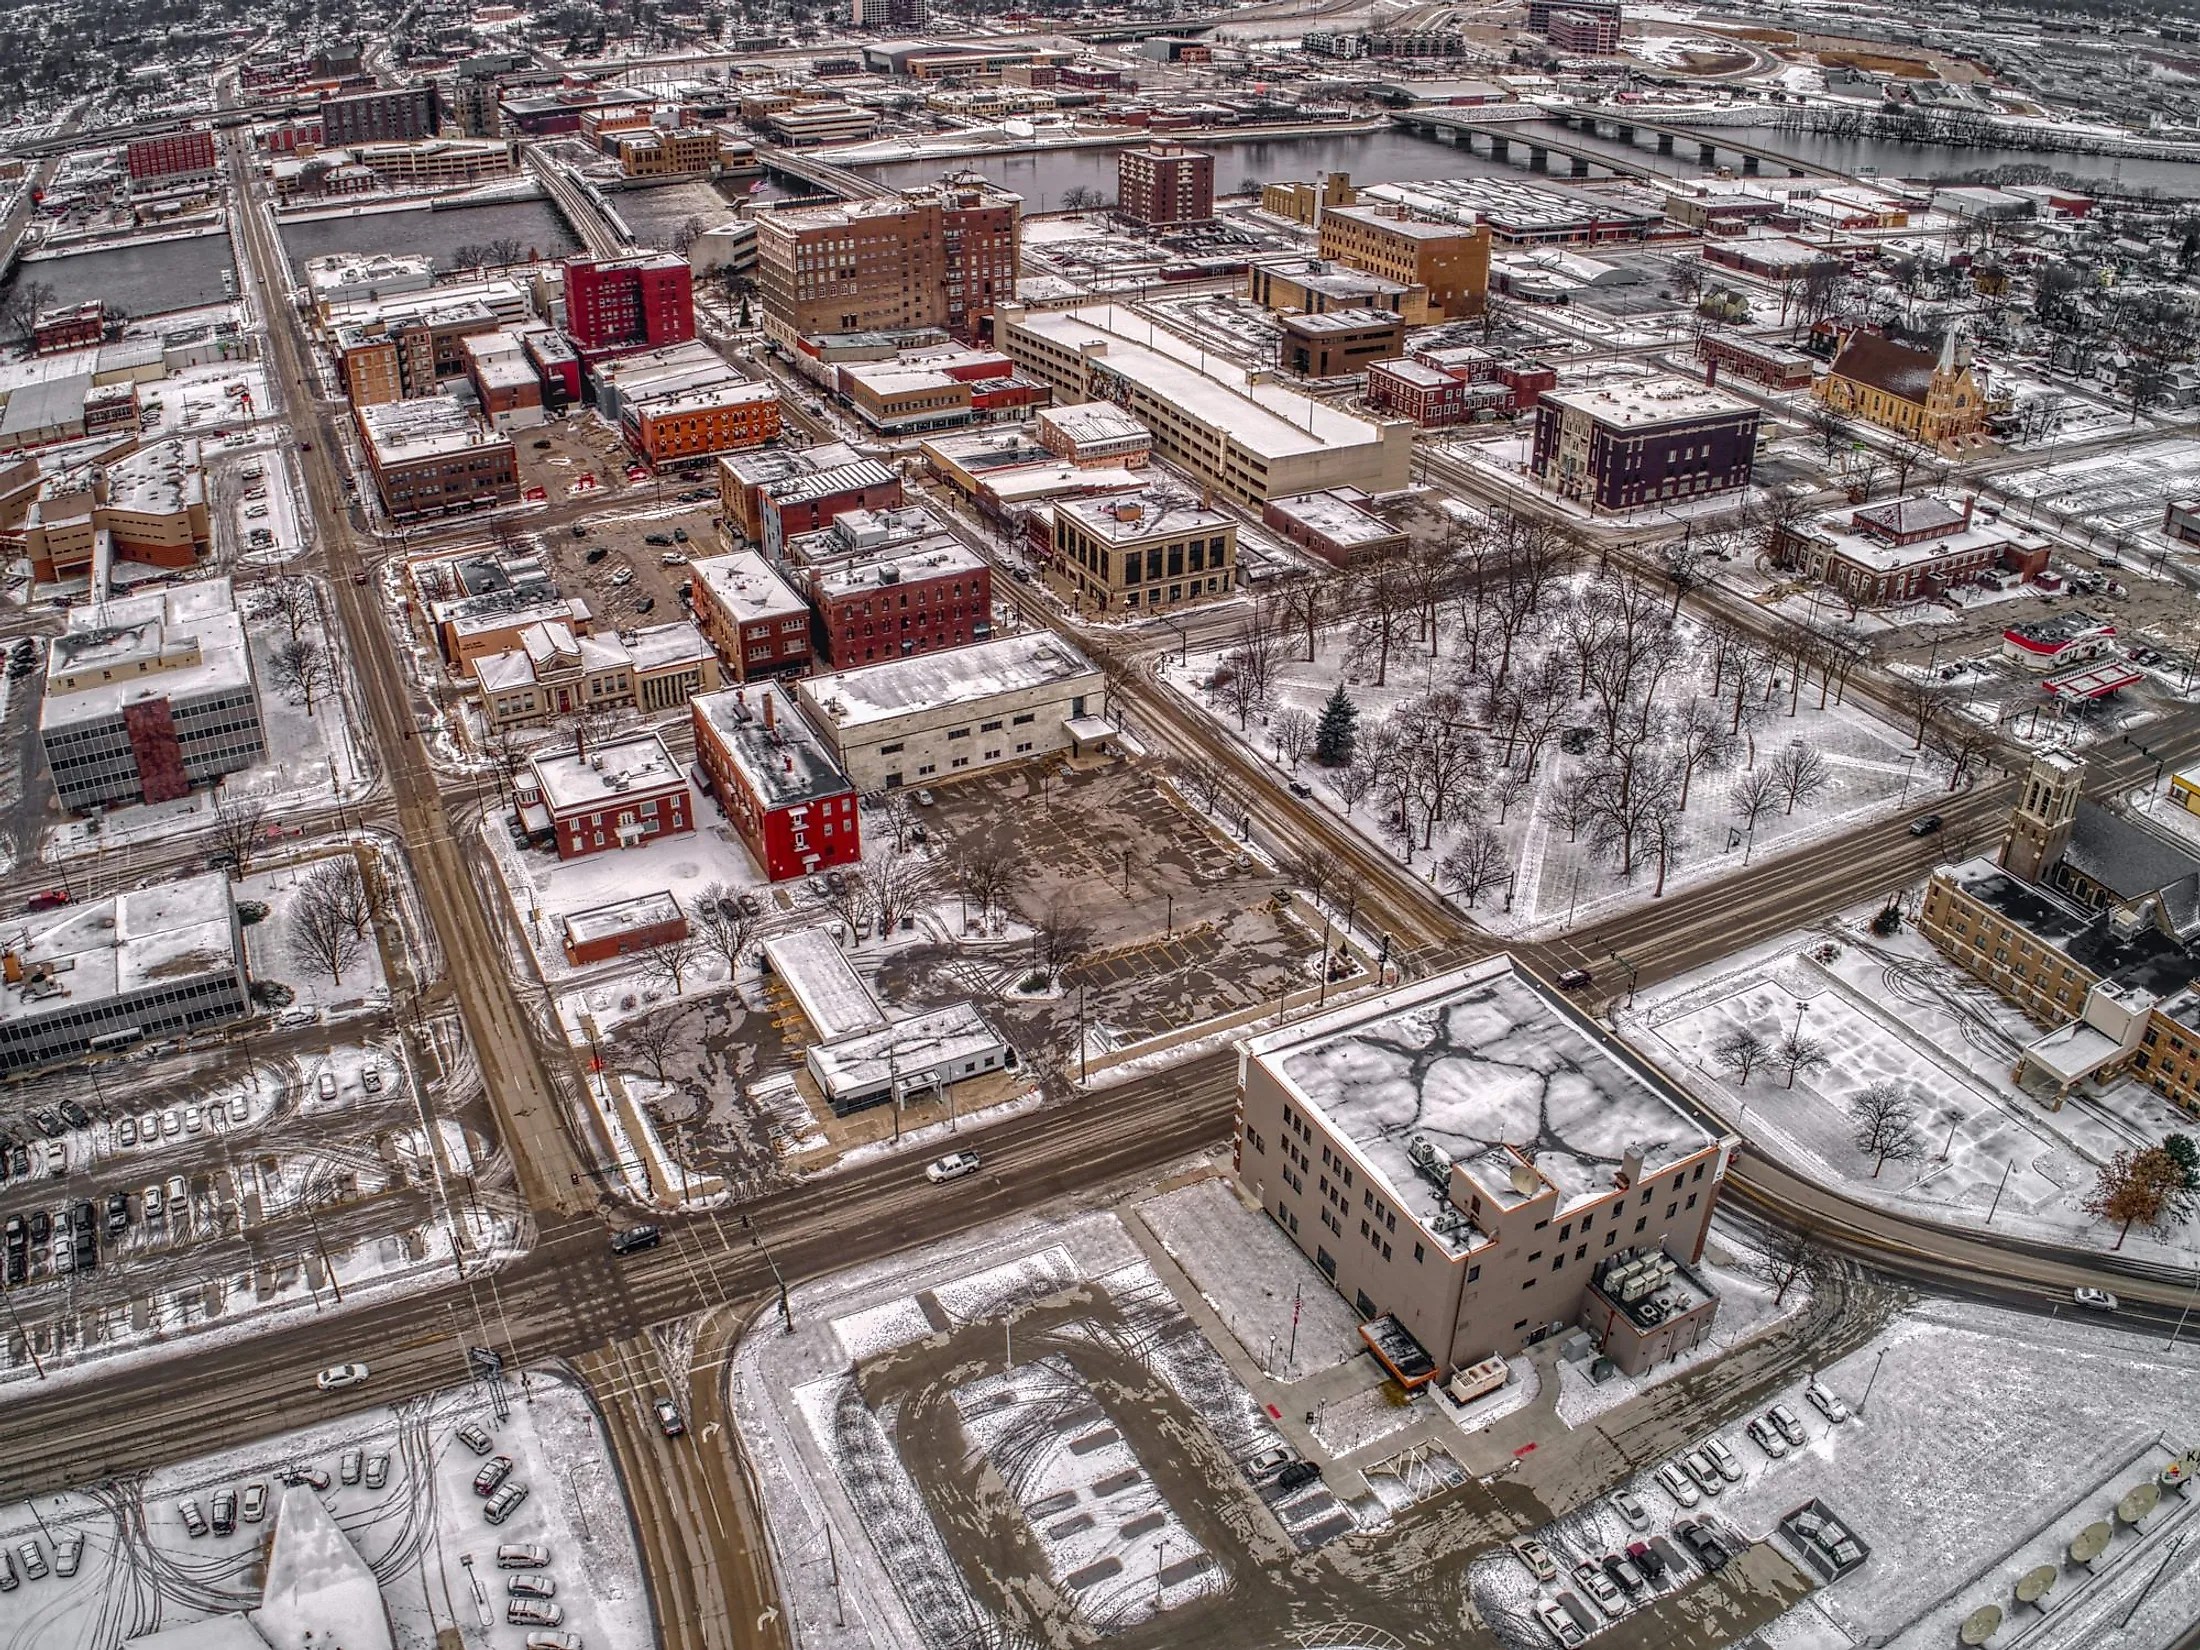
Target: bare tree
{"points": [[1353, 781], [1201, 778], [322, 938], [288, 598], [1478, 861], [1057, 940], [654, 1038], [1507, 787], [987, 874], [237, 825], [338, 880], [1885, 1126], [1751, 797], [716, 919], [1905, 456], [692, 229], [300, 666], [667, 961], [1800, 773], [1740, 1051], [1799, 1052], [1829, 427], [1790, 1256], [1292, 732], [894, 886], [1313, 868], [1697, 736], [25, 302]]}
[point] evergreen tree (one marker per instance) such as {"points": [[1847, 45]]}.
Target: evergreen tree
{"points": [[1333, 735]]}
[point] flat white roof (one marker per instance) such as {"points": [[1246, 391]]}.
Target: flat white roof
{"points": [[956, 675], [828, 990], [171, 933], [617, 770], [1486, 1066], [136, 629], [1265, 418], [1645, 403], [745, 586], [423, 427], [606, 921], [923, 1044]]}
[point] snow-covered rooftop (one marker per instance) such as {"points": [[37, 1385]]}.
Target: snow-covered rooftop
{"points": [[427, 426], [746, 587], [319, 1591], [939, 1039], [957, 675], [625, 769], [817, 974], [1339, 515], [1490, 1068], [176, 644], [777, 751], [1646, 403], [173, 932]]}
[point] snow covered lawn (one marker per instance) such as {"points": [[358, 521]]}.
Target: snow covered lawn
{"points": [[420, 1530], [1894, 1010]]}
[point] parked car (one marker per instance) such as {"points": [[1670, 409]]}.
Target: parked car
{"points": [[924, 799], [225, 1511], [1621, 1571], [1536, 1557], [1723, 1459], [1767, 1437], [953, 1166], [8, 1579], [1645, 1558], [533, 1612], [597, 554], [1826, 1403], [255, 1501], [553, 1641], [1629, 1508], [339, 1376], [378, 1470], [1269, 1462], [1593, 1581], [350, 1465], [1790, 1428], [503, 1504], [1296, 1475], [1698, 1466], [492, 1474], [522, 1555], [309, 1475], [74, 1115], [34, 1559], [68, 1552], [474, 1438], [1678, 1484], [1559, 1625], [1708, 1550], [657, 538], [529, 1585], [193, 1516]]}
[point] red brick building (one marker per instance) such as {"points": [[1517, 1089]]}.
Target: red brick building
{"points": [[759, 623], [933, 595], [1596, 34], [170, 157], [594, 799], [623, 929], [1165, 186], [618, 304], [804, 503], [71, 326], [673, 429], [776, 781]]}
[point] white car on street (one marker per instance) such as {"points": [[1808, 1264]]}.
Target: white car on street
{"points": [[339, 1376]]}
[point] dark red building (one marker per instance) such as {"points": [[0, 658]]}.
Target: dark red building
{"points": [[934, 594], [170, 157], [802, 504], [593, 799], [1644, 441], [71, 326], [776, 781], [1165, 186], [393, 114], [617, 304]]}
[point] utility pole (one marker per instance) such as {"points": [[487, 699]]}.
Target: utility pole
{"points": [[1867, 1398], [786, 1310]]}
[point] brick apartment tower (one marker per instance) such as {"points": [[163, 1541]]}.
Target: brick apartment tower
{"points": [[614, 304], [1165, 186]]}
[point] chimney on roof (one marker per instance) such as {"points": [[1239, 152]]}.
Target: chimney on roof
{"points": [[1630, 1168], [1711, 372], [1969, 500], [771, 720], [580, 740]]}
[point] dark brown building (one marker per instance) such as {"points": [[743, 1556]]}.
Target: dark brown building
{"points": [[1643, 442], [1340, 343], [1165, 186], [393, 115]]}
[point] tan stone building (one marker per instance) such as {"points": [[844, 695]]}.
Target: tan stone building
{"points": [[1304, 203], [1448, 261], [1939, 400], [1475, 1165], [1143, 551]]}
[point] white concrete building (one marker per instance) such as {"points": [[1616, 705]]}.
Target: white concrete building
{"points": [[938, 716]]}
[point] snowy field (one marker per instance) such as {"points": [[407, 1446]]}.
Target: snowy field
{"points": [[1597, 827], [400, 1490], [1894, 1010], [2119, 494], [2069, 1412]]}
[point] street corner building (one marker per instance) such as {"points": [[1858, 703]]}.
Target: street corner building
{"points": [[1475, 1166], [102, 975], [1646, 442]]}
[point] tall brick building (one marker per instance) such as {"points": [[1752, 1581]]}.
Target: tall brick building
{"points": [[1165, 186], [943, 256], [1643, 441], [170, 157], [643, 302], [389, 115]]}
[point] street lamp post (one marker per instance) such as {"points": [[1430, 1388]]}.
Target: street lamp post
{"points": [[1867, 1398]]}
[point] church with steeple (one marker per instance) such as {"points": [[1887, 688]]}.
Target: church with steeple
{"points": [[1939, 399]]}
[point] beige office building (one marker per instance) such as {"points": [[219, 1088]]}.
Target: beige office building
{"points": [[1475, 1165]]}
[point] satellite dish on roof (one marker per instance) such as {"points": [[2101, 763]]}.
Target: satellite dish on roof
{"points": [[1980, 1625], [2138, 1501], [2035, 1584], [2090, 1542], [1525, 1180]]}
